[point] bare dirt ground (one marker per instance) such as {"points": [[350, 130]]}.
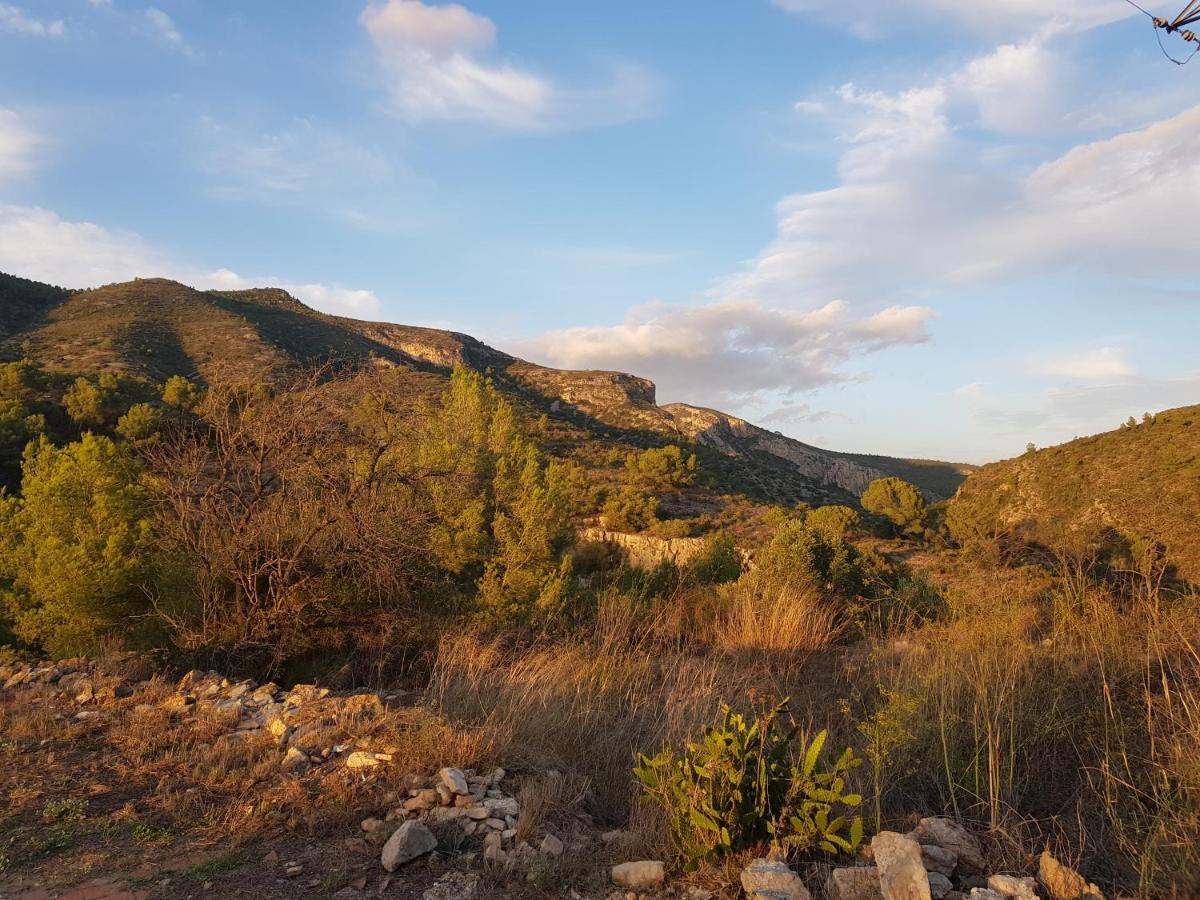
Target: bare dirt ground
{"points": [[139, 791]]}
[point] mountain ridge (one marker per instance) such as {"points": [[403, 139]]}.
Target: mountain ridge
{"points": [[155, 327]]}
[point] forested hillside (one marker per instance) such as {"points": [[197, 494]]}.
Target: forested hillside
{"points": [[1131, 495]]}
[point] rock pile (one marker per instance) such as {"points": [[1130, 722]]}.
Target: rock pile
{"points": [[473, 803], [941, 860]]}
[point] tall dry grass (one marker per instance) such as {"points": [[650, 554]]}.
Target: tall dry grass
{"points": [[1060, 715], [644, 675]]}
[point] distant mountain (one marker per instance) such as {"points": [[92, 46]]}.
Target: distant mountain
{"points": [[155, 328], [1138, 484]]}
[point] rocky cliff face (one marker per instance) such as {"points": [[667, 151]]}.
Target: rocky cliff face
{"points": [[737, 437]]}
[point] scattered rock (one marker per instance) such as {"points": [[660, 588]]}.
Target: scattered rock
{"points": [[938, 859], [495, 854], [639, 875], [901, 873], [939, 885], [502, 806], [292, 869], [454, 780], [453, 886], [1064, 883], [773, 879], [294, 759], [857, 883], [410, 840], [361, 760], [1014, 888], [949, 835], [552, 846], [979, 893]]}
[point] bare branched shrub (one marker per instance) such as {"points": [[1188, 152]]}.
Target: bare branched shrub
{"points": [[276, 510]]}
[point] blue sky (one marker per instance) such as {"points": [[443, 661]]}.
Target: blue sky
{"points": [[942, 229]]}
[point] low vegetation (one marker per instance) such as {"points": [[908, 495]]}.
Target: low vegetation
{"points": [[1025, 659]]}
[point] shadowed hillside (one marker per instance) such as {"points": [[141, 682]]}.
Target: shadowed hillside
{"points": [[154, 328]]}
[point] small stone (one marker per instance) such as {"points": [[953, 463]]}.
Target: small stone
{"points": [[494, 824], [611, 837], [410, 840], [292, 869], [445, 795], [496, 776], [453, 886], [939, 885], [495, 854], [492, 839], [938, 859], [503, 806], [1064, 883], [978, 893], [1014, 888], [901, 874], [361, 760], [478, 812], [454, 780], [552, 846], [295, 758], [469, 827], [773, 880], [639, 875], [508, 834], [854, 883], [949, 835], [370, 825]]}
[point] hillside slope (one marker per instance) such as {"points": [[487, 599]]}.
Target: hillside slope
{"points": [[1139, 483], [154, 328]]}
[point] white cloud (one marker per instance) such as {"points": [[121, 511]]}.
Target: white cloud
{"points": [[1060, 413], [302, 158], [732, 350], [164, 26], [871, 19], [1099, 364], [37, 243], [14, 20], [924, 204], [17, 145], [437, 61]]}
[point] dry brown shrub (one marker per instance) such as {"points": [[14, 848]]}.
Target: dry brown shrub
{"points": [[785, 620]]}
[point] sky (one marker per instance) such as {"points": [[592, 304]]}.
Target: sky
{"points": [[940, 228]]}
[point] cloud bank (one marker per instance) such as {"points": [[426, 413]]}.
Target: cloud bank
{"points": [[37, 243], [732, 350], [440, 64]]}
